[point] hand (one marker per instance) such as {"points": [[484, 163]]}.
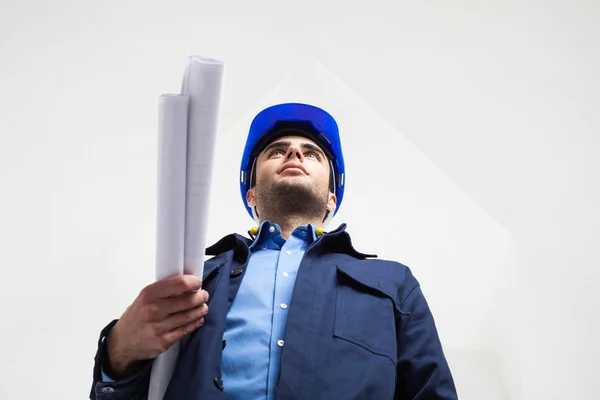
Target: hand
{"points": [[163, 312]]}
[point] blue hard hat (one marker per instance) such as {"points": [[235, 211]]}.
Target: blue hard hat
{"points": [[312, 122]]}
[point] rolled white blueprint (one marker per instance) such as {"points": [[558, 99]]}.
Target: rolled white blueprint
{"points": [[170, 222], [183, 214], [203, 83], [171, 186]]}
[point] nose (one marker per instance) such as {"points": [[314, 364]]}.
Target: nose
{"points": [[294, 152]]}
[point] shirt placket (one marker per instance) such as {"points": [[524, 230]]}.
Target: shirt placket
{"points": [[285, 276]]}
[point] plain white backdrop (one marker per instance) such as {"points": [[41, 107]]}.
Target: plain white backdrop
{"points": [[471, 135]]}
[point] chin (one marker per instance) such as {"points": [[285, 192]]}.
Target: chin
{"points": [[295, 180]]}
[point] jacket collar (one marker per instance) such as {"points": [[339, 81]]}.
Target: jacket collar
{"points": [[339, 241], [236, 242], [336, 241]]}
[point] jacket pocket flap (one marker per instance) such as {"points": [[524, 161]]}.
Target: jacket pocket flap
{"points": [[211, 267], [373, 282]]}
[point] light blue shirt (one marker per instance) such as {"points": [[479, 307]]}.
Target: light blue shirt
{"points": [[257, 318]]}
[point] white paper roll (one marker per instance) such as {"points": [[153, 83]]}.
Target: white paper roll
{"points": [[171, 186], [188, 126], [170, 221], [203, 83]]}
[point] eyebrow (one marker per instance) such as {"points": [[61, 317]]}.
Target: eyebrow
{"points": [[286, 143]]}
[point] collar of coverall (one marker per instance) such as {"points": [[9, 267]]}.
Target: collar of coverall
{"points": [[338, 241]]}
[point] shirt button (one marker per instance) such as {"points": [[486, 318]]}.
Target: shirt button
{"points": [[288, 252], [283, 305], [280, 343], [264, 248], [286, 274], [108, 389], [272, 229]]}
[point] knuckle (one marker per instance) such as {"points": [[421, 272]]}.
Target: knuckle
{"points": [[189, 317], [186, 282], [143, 296], [191, 301], [175, 284], [193, 282], [150, 312], [186, 330]]}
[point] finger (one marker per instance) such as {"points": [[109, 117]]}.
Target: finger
{"points": [[173, 285], [182, 302], [178, 333], [183, 318]]}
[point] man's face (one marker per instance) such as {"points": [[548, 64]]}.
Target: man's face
{"points": [[292, 177]]}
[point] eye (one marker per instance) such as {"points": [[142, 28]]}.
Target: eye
{"points": [[275, 151], [314, 154]]}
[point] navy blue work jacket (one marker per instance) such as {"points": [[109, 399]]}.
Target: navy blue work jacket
{"points": [[358, 328]]}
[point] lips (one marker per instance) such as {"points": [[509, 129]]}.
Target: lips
{"points": [[294, 165]]}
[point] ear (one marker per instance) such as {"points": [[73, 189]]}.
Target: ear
{"points": [[251, 198], [331, 202]]}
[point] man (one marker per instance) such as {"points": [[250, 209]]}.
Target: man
{"points": [[294, 312]]}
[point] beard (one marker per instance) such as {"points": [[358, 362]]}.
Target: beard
{"points": [[291, 199]]}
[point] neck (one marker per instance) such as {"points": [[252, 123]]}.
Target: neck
{"points": [[289, 223]]}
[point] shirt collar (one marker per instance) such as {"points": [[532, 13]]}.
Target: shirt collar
{"points": [[269, 236], [337, 241]]}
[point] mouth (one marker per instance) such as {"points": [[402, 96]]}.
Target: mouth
{"points": [[295, 171], [294, 168]]}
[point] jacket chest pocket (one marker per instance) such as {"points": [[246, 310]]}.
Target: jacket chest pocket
{"points": [[365, 315]]}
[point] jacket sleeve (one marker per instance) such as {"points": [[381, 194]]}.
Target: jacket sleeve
{"points": [[134, 387], [423, 371]]}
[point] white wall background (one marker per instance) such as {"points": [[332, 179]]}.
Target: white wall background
{"points": [[471, 131]]}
